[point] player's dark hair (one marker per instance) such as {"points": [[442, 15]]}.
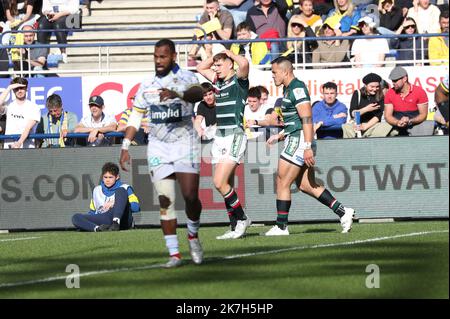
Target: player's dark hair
{"points": [[254, 92], [281, 59], [110, 167], [166, 42], [221, 56], [444, 15]]}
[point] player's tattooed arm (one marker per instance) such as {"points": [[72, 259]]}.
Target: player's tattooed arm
{"points": [[306, 120]]}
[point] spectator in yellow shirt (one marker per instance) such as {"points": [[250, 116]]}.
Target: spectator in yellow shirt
{"points": [[438, 46]]}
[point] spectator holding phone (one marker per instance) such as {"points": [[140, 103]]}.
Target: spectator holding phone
{"points": [[55, 16], [369, 102]]}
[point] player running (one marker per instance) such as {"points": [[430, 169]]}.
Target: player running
{"points": [[296, 162], [173, 146]]}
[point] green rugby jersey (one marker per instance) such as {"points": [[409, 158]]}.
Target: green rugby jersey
{"points": [[295, 93], [231, 96]]}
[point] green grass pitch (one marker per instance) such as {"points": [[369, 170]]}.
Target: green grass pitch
{"points": [[315, 261]]}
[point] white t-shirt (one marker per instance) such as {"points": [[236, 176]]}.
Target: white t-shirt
{"points": [[89, 122], [258, 115], [17, 117], [370, 49]]}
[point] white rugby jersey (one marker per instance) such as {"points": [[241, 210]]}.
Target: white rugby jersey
{"points": [[171, 120]]}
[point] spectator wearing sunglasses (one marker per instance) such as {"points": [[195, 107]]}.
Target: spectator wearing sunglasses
{"points": [[405, 46]]}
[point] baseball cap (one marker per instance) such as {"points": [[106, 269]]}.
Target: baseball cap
{"points": [[397, 73], [367, 20], [96, 100]]}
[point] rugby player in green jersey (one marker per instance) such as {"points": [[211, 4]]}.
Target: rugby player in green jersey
{"points": [[230, 142], [296, 162]]}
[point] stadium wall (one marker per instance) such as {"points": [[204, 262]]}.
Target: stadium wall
{"points": [[403, 177]]}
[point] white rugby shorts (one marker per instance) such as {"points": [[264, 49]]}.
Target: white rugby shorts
{"points": [[165, 159], [294, 147], [231, 147]]}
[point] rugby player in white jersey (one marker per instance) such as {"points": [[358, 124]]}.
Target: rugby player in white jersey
{"points": [[173, 145], [230, 141]]}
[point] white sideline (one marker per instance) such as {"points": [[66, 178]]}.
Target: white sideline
{"points": [[21, 238], [276, 251]]}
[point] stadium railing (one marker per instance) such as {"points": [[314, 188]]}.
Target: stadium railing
{"points": [[183, 47]]}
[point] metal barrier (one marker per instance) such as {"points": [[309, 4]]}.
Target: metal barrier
{"points": [[182, 46], [56, 135]]}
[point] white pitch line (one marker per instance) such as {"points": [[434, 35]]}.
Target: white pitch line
{"points": [[21, 238], [276, 251]]}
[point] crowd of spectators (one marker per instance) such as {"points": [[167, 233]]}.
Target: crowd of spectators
{"points": [[317, 19], [35, 15]]}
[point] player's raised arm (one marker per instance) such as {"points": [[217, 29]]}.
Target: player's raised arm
{"points": [[204, 68]]}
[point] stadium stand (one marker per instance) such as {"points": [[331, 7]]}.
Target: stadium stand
{"points": [[123, 14]]}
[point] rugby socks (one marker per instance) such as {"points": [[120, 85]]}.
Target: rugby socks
{"points": [[328, 200], [232, 217], [283, 207], [172, 245], [232, 201], [193, 228]]}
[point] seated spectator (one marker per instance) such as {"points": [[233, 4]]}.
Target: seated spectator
{"points": [[426, 16], [266, 100], [369, 102], [54, 16], [213, 11], [297, 28], [37, 56], [406, 106], [205, 120], [312, 20], [369, 52], [237, 8], [112, 205], [20, 13], [255, 52], [391, 16], [272, 117], [330, 51], [97, 123], [268, 20], [141, 137], [329, 114], [438, 46], [56, 121], [254, 109], [347, 15], [22, 115], [405, 46]]}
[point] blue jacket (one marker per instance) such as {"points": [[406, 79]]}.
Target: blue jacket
{"points": [[332, 127]]}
